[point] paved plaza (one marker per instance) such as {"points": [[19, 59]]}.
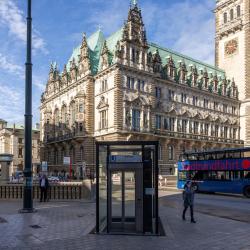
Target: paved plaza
{"points": [[66, 225]]}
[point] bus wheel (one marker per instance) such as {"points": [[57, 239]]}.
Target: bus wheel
{"points": [[195, 187], [247, 191]]}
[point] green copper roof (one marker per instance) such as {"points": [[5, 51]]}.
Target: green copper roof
{"points": [[96, 42], [166, 53]]}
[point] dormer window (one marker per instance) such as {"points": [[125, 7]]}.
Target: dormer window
{"points": [[225, 17]]}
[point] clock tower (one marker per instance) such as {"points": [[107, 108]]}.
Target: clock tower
{"points": [[232, 47]]}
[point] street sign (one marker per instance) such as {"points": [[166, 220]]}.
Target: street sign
{"points": [[66, 160], [44, 166]]}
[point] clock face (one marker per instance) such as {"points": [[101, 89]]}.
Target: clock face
{"points": [[231, 47]]}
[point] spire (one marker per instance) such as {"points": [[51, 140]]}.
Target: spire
{"points": [[134, 3]]}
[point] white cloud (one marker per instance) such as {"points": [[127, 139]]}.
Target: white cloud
{"points": [[11, 67], [187, 27], [11, 104], [13, 18]]}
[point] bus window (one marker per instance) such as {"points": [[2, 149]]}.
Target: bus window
{"points": [[247, 174], [236, 175], [183, 175]]}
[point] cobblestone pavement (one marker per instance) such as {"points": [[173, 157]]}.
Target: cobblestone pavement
{"points": [[66, 225]]}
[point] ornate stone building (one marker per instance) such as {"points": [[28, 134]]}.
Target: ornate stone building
{"points": [[12, 142], [233, 52], [125, 88]]}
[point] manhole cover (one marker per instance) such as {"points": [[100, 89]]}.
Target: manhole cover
{"points": [[2, 220], [35, 226]]}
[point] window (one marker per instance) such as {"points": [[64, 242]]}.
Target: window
{"points": [[104, 85], [72, 113], [206, 128], [234, 110], [216, 130], [216, 106], [80, 108], [128, 82], [20, 140], [183, 98], [196, 126], [103, 119], [234, 133], [142, 85], [184, 126], [56, 157], [158, 121], [238, 11], [170, 152], [225, 17], [132, 83], [56, 117], [171, 123], [136, 119], [138, 84], [20, 153], [64, 115], [145, 120], [205, 104], [225, 132], [224, 108], [231, 14], [80, 127], [166, 123], [133, 55], [191, 124], [171, 95], [195, 100], [157, 92]]}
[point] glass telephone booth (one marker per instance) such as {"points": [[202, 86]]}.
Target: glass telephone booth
{"points": [[127, 187]]}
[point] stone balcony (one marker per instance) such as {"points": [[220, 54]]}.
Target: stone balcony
{"points": [[230, 27], [65, 137]]}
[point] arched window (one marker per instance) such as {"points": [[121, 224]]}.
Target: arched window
{"points": [[231, 14], [225, 17], [238, 11], [64, 115], [72, 113], [81, 153], [56, 117], [170, 152]]}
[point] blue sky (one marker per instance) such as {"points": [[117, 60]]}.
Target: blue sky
{"points": [[186, 26]]}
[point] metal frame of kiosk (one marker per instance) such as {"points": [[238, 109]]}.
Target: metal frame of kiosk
{"points": [[127, 187]]}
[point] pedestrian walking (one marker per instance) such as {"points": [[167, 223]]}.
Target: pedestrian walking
{"points": [[188, 198], [44, 185]]}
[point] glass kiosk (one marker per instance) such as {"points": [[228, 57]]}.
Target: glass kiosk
{"points": [[127, 187]]}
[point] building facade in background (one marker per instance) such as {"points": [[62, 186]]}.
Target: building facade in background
{"points": [[12, 142], [233, 52], [124, 87]]}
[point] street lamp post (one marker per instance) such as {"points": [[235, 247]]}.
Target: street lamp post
{"points": [[27, 193]]}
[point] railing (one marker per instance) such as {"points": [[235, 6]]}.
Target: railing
{"points": [[65, 137], [55, 192]]}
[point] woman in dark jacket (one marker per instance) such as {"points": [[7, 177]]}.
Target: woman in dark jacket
{"points": [[188, 198]]}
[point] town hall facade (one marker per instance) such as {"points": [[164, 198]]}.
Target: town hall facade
{"points": [[124, 87]]}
